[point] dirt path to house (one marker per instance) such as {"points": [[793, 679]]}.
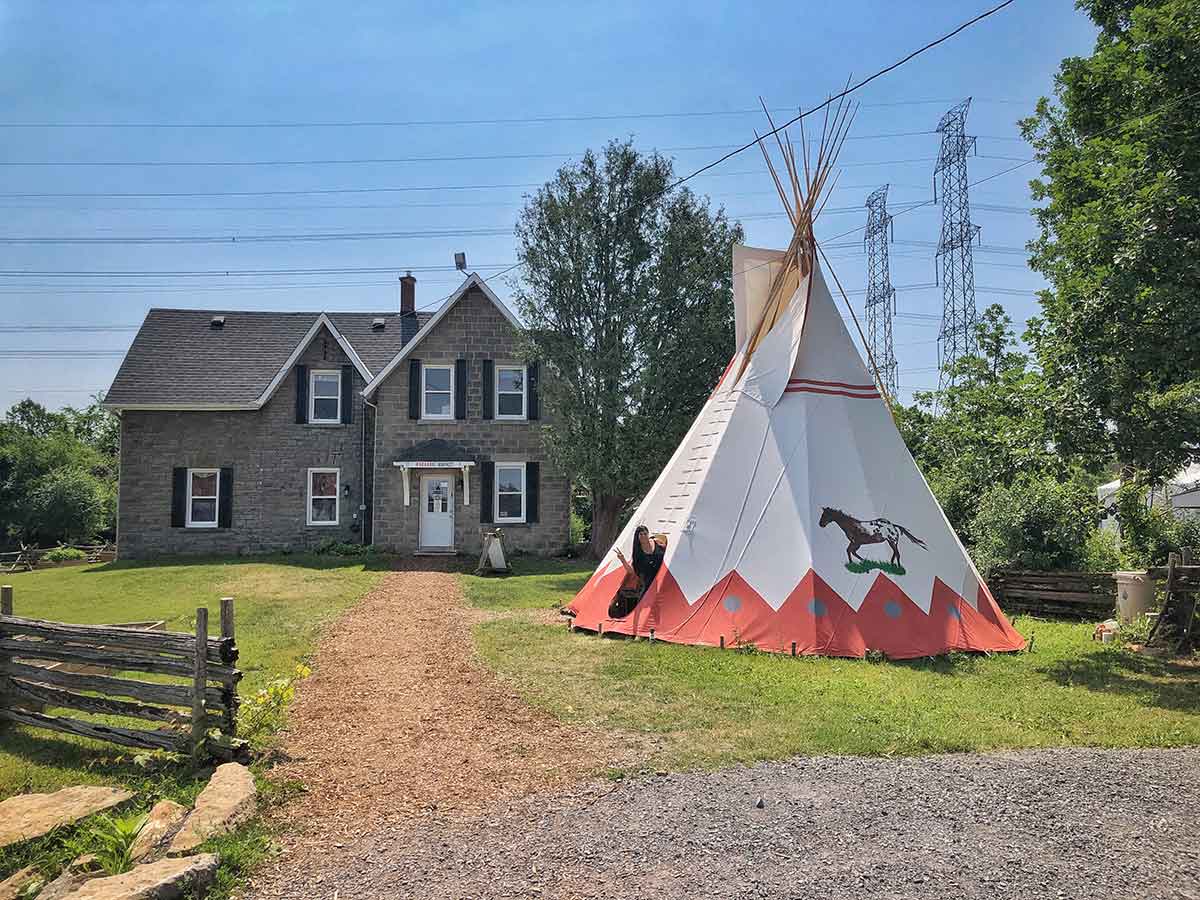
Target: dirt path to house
{"points": [[399, 719]]}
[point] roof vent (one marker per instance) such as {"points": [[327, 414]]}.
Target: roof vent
{"points": [[377, 324], [217, 322]]}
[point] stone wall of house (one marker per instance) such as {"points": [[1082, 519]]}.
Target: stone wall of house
{"points": [[270, 455], [474, 330]]}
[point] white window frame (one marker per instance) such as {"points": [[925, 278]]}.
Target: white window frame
{"points": [[216, 497], [524, 392], [425, 414], [312, 396], [496, 516], [337, 495]]}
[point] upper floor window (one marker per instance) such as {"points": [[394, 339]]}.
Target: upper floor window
{"points": [[325, 397], [511, 394], [203, 497], [437, 392]]}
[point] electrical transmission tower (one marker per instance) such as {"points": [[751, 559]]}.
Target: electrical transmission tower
{"points": [[956, 338], [881, 296]]}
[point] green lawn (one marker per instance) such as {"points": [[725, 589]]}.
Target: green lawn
{"points": [[708, 707], [280, 605], [279, 602]]}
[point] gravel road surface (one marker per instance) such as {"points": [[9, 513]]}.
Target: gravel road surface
{"points": [[1033, 824]]}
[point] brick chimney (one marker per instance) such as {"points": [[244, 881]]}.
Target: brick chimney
{"points": [[408, 293]]}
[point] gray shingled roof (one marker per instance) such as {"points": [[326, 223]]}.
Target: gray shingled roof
{"points": [[177, 357]]}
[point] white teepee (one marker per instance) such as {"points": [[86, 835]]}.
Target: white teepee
{"points": [[796, 519]]}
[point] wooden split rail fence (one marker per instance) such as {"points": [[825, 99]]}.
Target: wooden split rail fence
{"points": [[29, 557], [50, 665], [1073, 594]]}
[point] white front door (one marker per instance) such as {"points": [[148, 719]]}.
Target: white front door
{"points": [[437, 512]]}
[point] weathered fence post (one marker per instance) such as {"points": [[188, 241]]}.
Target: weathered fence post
{"points": [[227, 617], [6, 609], [231, 699], [199, 684]]}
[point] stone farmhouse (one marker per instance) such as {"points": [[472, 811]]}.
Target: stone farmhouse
{"points": [[247, 432]]}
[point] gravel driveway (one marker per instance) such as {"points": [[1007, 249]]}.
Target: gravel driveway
{"points": [[1035, 824]]}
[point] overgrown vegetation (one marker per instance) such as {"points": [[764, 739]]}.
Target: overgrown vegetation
{"points": [[110, 839], [262, 713], [64, 554], [58, 474], [707, 707]]}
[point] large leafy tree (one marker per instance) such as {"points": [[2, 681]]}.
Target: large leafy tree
{"points": [[990, 457], [627, 293], [57, 473], [1120, 239], [990, 427]]}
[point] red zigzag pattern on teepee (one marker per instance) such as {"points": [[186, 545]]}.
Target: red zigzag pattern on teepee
{"points": [[814, 618]]}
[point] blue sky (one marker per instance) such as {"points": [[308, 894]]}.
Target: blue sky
{"points": [[234, 65]]}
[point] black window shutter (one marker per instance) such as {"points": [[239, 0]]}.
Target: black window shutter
{"points": [[533, 374], [414, 389], [532, 490], [301, 395], [179, 488], [487, 487], [460, 389], [489, 388], [347, 394], [225, 504]]}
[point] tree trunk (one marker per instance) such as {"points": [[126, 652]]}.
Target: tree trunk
{"points": [[606, 514]]}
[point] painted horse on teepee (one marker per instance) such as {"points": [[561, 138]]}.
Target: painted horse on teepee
{"points": [[872, 531]]}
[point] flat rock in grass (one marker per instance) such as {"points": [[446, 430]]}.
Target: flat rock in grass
{"points": [[65, 885], [161, 825], [11, 886], [162, 880], [32, 815], [228, 800]]}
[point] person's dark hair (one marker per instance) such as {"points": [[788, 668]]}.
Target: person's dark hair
{"points": [[639, 555]]}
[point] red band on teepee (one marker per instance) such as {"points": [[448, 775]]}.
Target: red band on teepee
{"points": [[812, 390]]}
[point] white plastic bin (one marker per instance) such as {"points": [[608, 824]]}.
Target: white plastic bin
{"points": [[1135, 595]]}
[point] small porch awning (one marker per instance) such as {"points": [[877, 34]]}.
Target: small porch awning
{"points": [[436, 454]]}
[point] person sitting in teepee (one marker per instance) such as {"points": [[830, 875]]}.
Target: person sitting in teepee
{"points": [[648, 555]]}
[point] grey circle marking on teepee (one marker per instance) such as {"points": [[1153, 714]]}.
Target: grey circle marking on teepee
{"points": [[817, 608], [892, 608], [731, 603]]}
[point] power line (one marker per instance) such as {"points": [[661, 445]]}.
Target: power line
{"points": [[133, 195], [316, 237], [413, 123], [482, 157]]}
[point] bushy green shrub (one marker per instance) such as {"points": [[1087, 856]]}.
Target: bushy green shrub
{"points": [[1149, 534], [1101, 552], [579, 529], [261, 714], [334, 547], [68, 504], [1035, 523], [63, 554]]}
